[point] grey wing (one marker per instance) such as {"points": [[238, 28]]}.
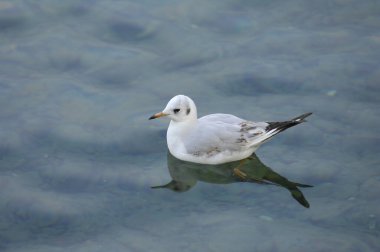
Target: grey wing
{"points": [[222, 132], [226, 118]]}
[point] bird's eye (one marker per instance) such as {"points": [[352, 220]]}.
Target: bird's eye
{"points": [[176, 110]]}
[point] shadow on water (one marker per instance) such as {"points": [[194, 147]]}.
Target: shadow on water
{"points": [[185, 175]]}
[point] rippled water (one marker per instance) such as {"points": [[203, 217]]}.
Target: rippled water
{"points": [[78, 157]]}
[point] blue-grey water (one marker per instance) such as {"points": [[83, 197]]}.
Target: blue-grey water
{"points": [[78, 157]]}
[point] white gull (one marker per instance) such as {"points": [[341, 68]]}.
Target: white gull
{"points": [[215, 138]]}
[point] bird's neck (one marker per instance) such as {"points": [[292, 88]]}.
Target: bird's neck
{"points": [[180, 127], [177, 131]]}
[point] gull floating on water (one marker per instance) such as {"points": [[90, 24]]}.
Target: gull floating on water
{"points": [[215, 138]]}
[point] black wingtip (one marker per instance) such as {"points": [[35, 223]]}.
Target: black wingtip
{"points": [[281, 126], [302, 117]]}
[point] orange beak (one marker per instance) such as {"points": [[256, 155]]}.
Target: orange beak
{"points": [[161, 114]]}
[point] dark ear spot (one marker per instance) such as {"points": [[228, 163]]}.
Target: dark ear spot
{"points": [[188, 111]]}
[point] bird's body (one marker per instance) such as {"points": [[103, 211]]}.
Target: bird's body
{"points": [[215, 138]]}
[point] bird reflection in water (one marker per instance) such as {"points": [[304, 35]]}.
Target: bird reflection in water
{"points": [[186, 174]]}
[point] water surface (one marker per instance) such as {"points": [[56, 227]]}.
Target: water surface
{"points": [[78, 157]]}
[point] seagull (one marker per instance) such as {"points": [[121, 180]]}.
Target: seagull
{"points": [[215, 138]]}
